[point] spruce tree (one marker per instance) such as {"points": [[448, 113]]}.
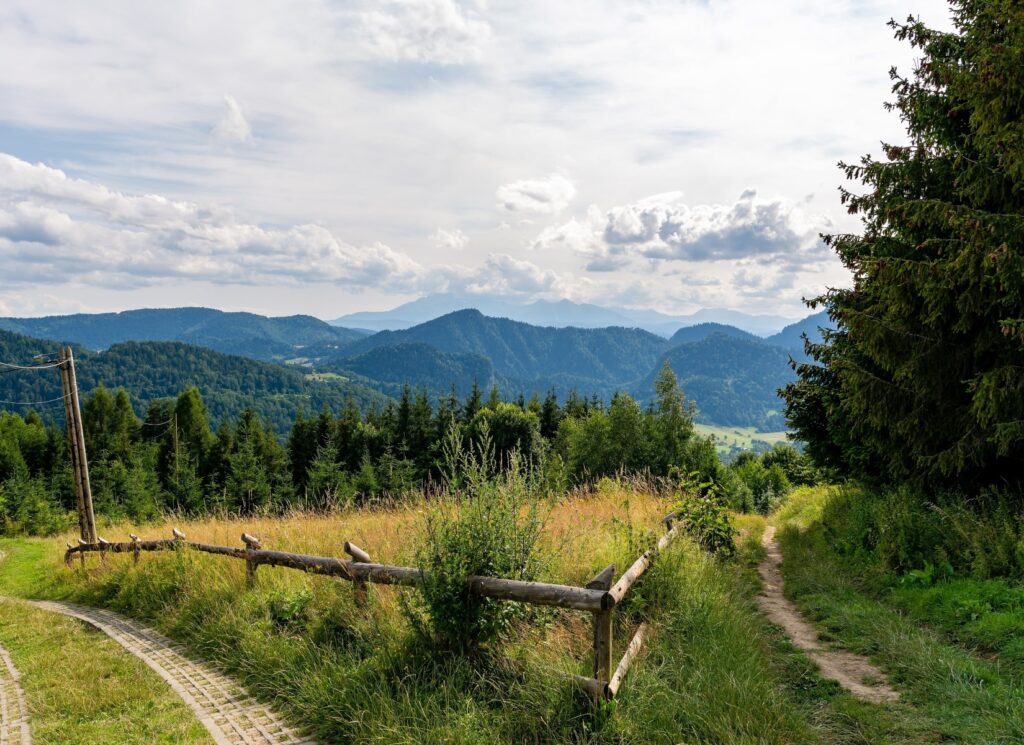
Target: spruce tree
{"points": [[924, 379]]}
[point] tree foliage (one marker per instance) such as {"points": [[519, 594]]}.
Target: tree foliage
{"points": [[923, 381]]}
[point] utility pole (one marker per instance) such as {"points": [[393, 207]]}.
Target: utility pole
{"points": [[76, 446]]}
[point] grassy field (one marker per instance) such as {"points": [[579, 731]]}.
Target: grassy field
{"points": [[713, 671], [742, 438]]}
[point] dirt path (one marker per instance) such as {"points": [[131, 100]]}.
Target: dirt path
{"points": [[14, 728], [853, 672], [230, 715]]}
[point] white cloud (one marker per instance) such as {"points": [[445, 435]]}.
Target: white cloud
{"points": [[549, 195], [53, 227], [233, 126], [51, 224], [431, 31], [663, 227], [502, 274], [379, 121], [449, 240]]}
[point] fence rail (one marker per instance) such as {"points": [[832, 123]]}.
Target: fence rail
{"points": [[599, 597]]}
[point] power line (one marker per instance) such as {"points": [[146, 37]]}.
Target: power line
{"points": [[157, 424], [42, 365], [34, 403]]}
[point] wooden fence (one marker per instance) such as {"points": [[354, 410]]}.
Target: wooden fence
{"points": [[599, 597]]}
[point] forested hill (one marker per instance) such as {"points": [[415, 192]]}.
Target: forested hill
{"points": [[596, 358], [702, 331], [732, 375], [734, 381], [420, 365], [245, 334], [150, 370], [791, 337]]}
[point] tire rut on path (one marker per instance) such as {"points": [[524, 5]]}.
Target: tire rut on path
{"points": [[14, 728], [231, 716], [854, 672]]}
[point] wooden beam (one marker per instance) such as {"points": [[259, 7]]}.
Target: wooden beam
{"points": [[540, 593], [597, 689], [635, 644], [641, 565], [603, 579], [357, 553]]}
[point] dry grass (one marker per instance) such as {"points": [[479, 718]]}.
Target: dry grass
{"points": [[582, 532]]}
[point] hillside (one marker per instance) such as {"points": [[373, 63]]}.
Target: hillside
{"points": [[421, 365], [591, 357], [150, 370], [791, 336], [701, 331], [246, 334], [734, 381]]}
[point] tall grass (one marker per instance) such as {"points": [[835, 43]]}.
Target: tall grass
{"points": [[362, 674]]}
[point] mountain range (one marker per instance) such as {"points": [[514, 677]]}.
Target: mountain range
{"points": [[560, 314], [155, 369], [299, 362], [245, 334]]}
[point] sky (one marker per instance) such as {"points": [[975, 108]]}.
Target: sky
{"points": [[314, 157]]}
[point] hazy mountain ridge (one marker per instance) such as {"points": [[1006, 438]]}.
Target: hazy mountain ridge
{"points": [[732, 373], [525, 352], [559, 314], [245, 334], [702, 331]]}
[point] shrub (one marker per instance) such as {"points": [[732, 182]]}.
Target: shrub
{"points": [[705, 518], [487, 524], [900, 530]]}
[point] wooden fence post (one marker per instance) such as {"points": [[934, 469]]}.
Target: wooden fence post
{"points": [[358, 585], [135, 548], [603, 630], [252, 543]]}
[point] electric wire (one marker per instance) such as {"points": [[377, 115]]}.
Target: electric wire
{"points": [[42, 366], [35, 403]]}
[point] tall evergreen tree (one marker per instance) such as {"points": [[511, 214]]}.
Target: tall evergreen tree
{"points": [[924, 379]]}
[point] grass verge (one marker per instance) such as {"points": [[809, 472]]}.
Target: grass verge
{"points": [[949, 693]]}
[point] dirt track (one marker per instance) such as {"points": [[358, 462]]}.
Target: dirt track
{"points": [[855, 673]]}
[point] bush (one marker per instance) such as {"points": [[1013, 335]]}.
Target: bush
{"points": [[900, 530], [705, 518], [487, 524]]}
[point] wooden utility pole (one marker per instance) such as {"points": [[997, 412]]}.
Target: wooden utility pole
{"points": [[76, 446]]}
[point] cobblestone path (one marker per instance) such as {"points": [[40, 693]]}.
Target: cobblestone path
{"points": [[230, 715]]}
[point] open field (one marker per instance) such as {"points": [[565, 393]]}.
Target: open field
{"points": [[714, 671], [742, 438], [365, 674]]}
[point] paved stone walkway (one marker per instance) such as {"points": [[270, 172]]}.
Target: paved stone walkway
{"points": [[14, 728], [230, 715]]}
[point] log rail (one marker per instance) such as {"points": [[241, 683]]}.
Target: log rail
{"points": [[599, 597]]}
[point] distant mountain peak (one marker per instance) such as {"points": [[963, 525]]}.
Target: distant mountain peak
{"points": [[558, 314]]}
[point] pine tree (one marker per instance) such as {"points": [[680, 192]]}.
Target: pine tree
{"points": [[924, 380]]}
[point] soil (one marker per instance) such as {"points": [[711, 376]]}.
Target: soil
{"points": [[854, 672]]}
